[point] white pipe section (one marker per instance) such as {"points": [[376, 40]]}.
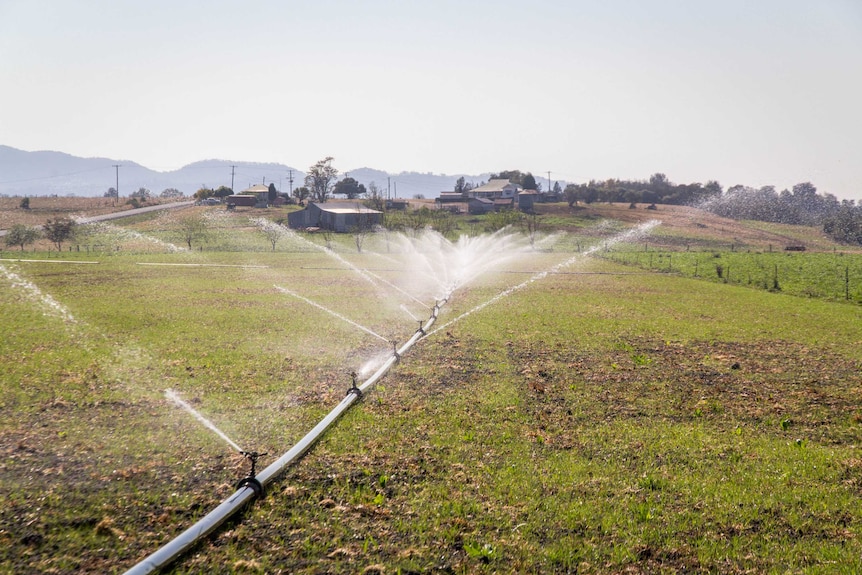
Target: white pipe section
{"points": [[171, 550]]}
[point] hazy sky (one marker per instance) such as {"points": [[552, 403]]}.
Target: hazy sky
{"points": [[755, 92]]}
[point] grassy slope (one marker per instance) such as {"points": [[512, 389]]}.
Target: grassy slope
{"points": [[598, 423]]}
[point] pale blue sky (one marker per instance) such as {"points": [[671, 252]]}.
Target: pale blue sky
{"points": [[753, 92]]}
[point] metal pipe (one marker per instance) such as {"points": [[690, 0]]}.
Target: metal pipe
{"points": [[248, 488]]}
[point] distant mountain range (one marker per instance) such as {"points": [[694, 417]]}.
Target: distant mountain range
{"points": [[47, 173]]}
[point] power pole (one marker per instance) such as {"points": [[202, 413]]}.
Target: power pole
{"points": [[549, 182], [388, 188], [290, 179], [232, 168], [117, 189]]}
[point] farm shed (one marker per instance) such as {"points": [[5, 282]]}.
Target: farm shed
{"points": [[335, 216], [480, 205], [526, 199], [240, 200]]}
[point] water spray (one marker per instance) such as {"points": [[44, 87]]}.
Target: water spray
{"points": [[254, 485], [173, 396]]}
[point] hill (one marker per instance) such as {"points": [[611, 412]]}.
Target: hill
{"points": [[46, 173]]}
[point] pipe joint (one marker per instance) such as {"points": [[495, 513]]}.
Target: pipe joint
{"points": [[253, 484]]}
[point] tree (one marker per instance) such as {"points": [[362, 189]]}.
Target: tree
{"points": [[21, 235], [271, 195], [349, 187], [571, 193], [301, 194], [273, 233], [222, 192], [531, 225], [557, 188], [361, 230], [192, 229], [462, 186], [374, 198], [25, 203], [168, 193], [514, 176], [204, 193], [528, 182], [111, 193], [142, 193], [321, 178], [59, 230], [712, 188]]}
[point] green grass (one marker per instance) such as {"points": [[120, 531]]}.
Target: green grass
{"points": [[592, 421], [828, 275]]}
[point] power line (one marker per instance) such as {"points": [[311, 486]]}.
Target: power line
{"points": [[54, 176]]}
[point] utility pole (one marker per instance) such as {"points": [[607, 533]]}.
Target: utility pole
{"points": [[232, 168], [290, 179], [117, 189], [549, 182]]}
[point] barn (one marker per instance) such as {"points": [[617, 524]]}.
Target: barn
{"points": [[335, 216]]}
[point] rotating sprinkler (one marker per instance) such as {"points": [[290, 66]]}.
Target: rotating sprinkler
{"points": [[420, 330], [250, 480], [354, 389], [395, 351]]}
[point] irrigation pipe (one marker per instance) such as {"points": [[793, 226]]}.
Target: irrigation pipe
{"points": [[254, 485]]}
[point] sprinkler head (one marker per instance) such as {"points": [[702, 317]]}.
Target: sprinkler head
{"points": [[353, 387], [250, 480], [252, 456], [420, 327]]}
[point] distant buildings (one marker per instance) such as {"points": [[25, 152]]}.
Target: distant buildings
{"points": [[497, 194]]}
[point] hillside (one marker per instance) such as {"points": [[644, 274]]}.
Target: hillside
{"points": [[45, 173]]}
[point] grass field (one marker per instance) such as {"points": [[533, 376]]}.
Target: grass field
{"points": [[608, 418]]}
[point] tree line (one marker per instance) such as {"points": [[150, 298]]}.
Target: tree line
{"points": [[800, 205]]}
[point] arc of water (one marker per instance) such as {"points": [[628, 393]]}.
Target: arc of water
{"points": [[408, 312], [399, 290], [329, 311], [48, 303], [329, 252], [172, 395]]}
